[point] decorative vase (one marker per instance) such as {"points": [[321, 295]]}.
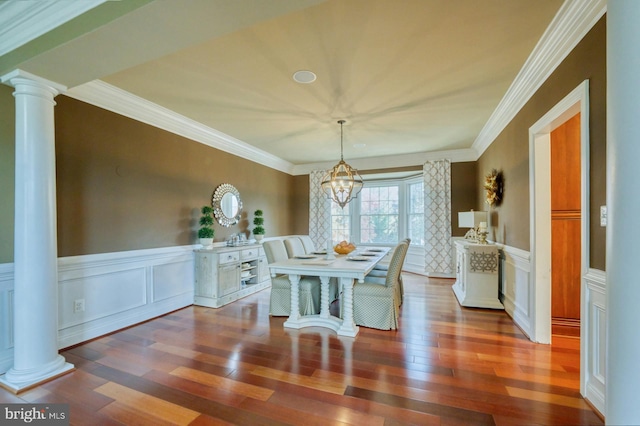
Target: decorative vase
{"points": [[259, 238], [206, 242]]}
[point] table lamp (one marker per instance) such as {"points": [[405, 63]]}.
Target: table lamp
{"points": [[477, 222]]}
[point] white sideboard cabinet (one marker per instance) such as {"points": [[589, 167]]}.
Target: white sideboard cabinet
{"points": [[477, 283], [225, 274]]}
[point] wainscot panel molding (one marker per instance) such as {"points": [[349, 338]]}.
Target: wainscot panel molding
{"points": [[515, 286], [116, 290], [517, 292], [594, 339], [6, 316]]}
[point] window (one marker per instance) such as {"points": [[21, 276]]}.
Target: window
{"points": [[340, 223], [379, 211], [383, 213]]}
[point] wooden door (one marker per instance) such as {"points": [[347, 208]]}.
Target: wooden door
{"points": [[565, 228]]}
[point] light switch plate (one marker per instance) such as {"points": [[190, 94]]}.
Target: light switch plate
{"points": [[603, 215]]}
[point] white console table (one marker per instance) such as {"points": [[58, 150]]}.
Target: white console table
{"points": [[477, 283], [225, 274]]}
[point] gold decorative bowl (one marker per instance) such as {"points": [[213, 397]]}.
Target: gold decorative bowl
{"points": [[343, 249]]}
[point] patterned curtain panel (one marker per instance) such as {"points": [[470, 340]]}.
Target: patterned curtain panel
{"points": [[319, 210], [437, 216]]}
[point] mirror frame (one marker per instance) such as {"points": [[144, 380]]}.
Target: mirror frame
{"points": [[216, 203]]}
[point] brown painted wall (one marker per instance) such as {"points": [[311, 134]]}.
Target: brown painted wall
{"points": [[124, 185], [463, 194], [510, 151], [7, 172], [300, 205]]}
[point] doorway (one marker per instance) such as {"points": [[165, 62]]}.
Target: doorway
{"points": [[540, 216], [565, 229]]}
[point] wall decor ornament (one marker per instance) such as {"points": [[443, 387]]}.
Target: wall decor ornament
{"points": [[227, 205], [494, 185]]}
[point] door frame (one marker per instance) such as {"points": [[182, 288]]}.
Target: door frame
{"points": [[540, 214]]}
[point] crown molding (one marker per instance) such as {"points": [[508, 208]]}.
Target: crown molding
{"points": [[392, 161], [572, 22], [23, 21], [121, 102], [574, 19], [111, 98]]}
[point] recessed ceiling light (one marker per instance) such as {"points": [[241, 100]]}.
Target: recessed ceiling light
{"points": [[359, 145], [304, 77]]}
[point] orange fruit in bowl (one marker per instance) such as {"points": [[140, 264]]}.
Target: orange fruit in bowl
{"points": [[344, 247]]}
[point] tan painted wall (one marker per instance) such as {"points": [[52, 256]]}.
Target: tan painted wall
{"points": [[123, 185], [510, 151]]}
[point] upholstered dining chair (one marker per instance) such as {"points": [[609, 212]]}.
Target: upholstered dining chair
{"points": [[295, 247], [374, 304], [379, 274], [307, 242], [280, 302]]}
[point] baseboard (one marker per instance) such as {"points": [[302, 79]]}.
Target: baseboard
{"points": [[569, 327]]}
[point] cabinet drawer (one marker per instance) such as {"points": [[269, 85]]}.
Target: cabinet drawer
{"points": [[229, 257], [249, 253]]}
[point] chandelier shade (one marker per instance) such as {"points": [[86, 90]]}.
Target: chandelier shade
{"points": [[342, 183]]}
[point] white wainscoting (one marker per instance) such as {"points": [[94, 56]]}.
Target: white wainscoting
{"points": [[594, 338], [414, 262], [516, 288], [118, 289], [6, 316]]}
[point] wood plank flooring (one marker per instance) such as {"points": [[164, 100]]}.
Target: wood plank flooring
{"points": [[446, 365]]}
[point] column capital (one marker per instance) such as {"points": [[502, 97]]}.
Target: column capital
{"points": [[18, 76]]}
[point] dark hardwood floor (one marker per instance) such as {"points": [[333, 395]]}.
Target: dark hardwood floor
{"points": [[236, 365]]}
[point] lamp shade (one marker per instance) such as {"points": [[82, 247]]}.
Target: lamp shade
{"points": [[471, 219]]}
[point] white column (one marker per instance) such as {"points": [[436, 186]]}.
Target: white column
{"points": [[35, 301], [623, 201]]}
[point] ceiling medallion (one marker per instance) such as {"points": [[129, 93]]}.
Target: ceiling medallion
{"points": [[342, 183]]}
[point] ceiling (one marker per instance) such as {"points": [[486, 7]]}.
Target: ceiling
{"points": [[408, 76]]}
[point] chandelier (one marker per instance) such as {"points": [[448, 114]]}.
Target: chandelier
{"points": [[342, 183]]}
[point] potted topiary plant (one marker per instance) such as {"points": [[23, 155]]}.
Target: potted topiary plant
{"points": [[258, 221], [206, 232]]}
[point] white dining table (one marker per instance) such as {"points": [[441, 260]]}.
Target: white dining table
{"points": [[346, 268]]}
